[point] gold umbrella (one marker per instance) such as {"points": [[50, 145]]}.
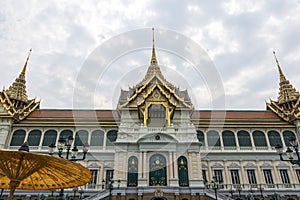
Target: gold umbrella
{"points": [[29, 171]]}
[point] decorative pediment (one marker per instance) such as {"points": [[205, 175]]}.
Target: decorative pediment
{"points": [[217, 166], [282, 165], [93, 166], [250, 166], [234, 166], [266, 166], [157, 138]]}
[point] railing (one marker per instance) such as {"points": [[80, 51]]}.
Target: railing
{"points": [[257, 187]]}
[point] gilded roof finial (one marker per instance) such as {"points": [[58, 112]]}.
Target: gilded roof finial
{"points": [[25, 65], [281, 75], [153, 59], [17, 90]]}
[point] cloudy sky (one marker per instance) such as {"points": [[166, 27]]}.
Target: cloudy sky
{"points": [[68, 37]]}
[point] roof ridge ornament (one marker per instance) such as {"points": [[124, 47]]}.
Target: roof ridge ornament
{"points": [[281, 75], [17, 90], [153, 58], [25, 65]]}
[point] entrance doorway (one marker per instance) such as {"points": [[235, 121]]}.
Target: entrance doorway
{"points": [[158, 173], [159, 198]]}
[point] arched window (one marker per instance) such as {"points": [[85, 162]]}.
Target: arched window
{"points": [[244, 139], [49, 137], [132, 175], [259, 139], [97, 138], [228, 139], [183, 171], [81, 137], [213, 138], [158, 172], [200, 137], [111, 137], [34, 138], [274, 138], [65, 134], [287, 136], [18, 138]]}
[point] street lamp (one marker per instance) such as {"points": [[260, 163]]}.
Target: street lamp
{"points": [[289, 152], [110, 187], [62, 142], [75, 189], [81, 191], [215, 186], [239, 189], [231, 191], [261, 190], [250, 195], [1, 193]]}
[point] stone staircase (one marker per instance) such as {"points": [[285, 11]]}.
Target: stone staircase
{"points": [[211, 194], [100, 195], [105, 193]]}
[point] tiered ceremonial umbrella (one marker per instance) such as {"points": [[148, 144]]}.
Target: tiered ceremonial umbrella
{"points": [[30, 171]]}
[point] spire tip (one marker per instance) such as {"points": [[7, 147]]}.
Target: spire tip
{"points": [[153, 59]]}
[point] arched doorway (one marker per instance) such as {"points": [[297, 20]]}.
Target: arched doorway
{"points": [[158, 173], [159, 198], [183, 177]]}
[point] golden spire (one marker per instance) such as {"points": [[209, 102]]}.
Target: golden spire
{"points": [[25, 65], [281, 75], [17, 90], [153, 59], [287, 93]]}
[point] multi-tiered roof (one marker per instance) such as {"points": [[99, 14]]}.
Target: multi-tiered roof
{"points": [[288, 102], [155, 86], [15, 100]]}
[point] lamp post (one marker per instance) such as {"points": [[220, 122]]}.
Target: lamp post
{"points": [[215, 186], [110, 188], [62, 142], [75, 189], [261, 190], [289, 152], [250, 195], [1, 193], [81, 191], [231, 191], [239, 189], [119, 182]]}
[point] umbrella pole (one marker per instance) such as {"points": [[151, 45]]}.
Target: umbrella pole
{"points": [[13, 186], [11, 193]]}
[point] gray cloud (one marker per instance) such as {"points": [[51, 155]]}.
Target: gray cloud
{"points": [[239, 36]]}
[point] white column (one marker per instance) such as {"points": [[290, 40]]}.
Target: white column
{"points": [[145, 165], [104, 139], [175, 165], [140, 165], [171, 165]]}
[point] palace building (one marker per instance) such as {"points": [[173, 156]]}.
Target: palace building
{"points": [[156, 146]]}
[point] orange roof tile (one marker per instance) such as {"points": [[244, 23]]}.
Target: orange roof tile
{"points": [[74, 114], [240, 114]]}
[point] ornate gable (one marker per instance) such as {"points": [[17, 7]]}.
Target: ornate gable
{"points": [[287, 106], [154, 89], [14, 100]]}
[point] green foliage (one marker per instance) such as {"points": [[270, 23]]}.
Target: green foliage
{"points": [[50, 198]]}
